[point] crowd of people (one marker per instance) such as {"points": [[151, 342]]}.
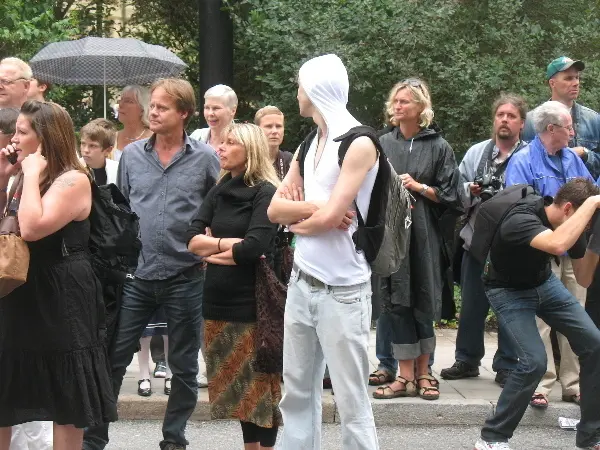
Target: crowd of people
{"points": [[220, 210]]}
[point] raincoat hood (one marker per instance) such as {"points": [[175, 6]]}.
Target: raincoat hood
{"points": [[325, 81]]}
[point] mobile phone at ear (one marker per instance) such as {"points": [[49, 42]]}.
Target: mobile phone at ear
{"points": [[12, 158]]}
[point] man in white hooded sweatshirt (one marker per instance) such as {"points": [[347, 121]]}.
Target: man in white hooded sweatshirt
{"points": [[328, 309]]}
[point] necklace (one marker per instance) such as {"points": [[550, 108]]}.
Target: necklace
{"points": [[136, 138]]}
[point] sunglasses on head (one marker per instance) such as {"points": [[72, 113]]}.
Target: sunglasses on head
{"points": [[414, 82]]}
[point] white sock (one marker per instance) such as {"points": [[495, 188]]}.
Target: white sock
{"points": [[144, 357], [166, 342]]}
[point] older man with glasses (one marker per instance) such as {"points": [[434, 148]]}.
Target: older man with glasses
{"points": [[15, 76]]}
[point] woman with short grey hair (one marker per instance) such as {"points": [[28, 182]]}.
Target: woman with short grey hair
{"points": [[133, 114], [220, 106]]}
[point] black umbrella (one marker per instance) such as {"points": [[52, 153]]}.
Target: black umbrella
{"points": [[105, 61]]}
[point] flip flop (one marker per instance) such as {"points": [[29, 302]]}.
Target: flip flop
{"points": [[539, 397]]}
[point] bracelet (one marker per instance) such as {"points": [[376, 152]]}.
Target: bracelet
{"points": [[424, 189], [4, 189], [219, 245]]}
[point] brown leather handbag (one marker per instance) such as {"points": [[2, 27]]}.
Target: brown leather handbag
{"points": [[14, 252]]}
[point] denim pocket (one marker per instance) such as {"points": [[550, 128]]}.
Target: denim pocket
{"points": [[346, 294]]}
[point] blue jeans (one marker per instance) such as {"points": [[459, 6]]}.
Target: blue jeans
{"points": [[516, 311], [181, 298], [383, 343], [471, 326], [386, 325]]}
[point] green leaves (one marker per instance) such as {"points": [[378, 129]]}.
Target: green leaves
{"points": [[467, 51], [26, 26]]}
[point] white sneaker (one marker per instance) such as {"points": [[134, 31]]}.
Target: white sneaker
{"points": [[202, 380], [483, 445]]}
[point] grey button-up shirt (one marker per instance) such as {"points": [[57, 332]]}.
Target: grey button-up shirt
{"points": [[166, 199]]}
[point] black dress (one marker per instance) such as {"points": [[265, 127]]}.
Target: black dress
{"points": [[53, 362]]}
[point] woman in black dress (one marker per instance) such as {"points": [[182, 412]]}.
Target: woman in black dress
{"points": [[232, 232], [412, 297], [53, 363]]}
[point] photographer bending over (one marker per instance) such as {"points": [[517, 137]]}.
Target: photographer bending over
{"points": [[520, 284], [547, 163]]}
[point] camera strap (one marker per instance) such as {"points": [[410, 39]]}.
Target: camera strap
{"points": [[487, 159]]}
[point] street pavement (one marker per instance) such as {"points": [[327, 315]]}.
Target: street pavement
{"points": [[462, 402], [145, 435]]}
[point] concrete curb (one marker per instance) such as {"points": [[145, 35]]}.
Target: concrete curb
{"points": [[397, 412]]}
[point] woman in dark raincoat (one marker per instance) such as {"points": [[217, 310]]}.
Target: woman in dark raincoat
{"points": [[425, 162]]}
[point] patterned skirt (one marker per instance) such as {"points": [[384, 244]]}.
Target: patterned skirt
{"points": [[235, 390]]}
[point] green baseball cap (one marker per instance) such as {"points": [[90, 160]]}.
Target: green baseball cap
{"points": [[562, 63]]}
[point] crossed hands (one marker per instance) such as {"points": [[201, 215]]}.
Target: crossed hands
{"points": [[296, 194]]}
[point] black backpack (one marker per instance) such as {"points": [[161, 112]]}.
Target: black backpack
{"points": [[114, 234], [492, 213], [384, 236]]}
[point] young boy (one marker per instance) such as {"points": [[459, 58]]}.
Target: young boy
{"points": [[97, 141]]}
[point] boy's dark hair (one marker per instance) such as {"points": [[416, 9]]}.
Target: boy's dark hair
{"points": [[8, 120], [100, 130], [576, 192]]}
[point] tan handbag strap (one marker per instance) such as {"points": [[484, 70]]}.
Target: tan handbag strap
{"points": [[17, 186]]}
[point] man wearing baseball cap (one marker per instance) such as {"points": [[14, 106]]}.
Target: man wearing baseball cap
{"points": [[563, 77]]}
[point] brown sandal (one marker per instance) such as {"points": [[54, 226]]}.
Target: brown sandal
{"points": [[428, 392], [380, 377], [386, 392]]}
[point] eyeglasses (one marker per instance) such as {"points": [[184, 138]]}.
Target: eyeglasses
{"points": [[10, 82], [568, 128]]}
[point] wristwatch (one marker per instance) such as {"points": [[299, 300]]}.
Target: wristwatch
{"points": [[424, 189]]}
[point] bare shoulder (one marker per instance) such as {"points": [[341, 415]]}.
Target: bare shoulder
{"points": [[72, 180], [362, 152]]}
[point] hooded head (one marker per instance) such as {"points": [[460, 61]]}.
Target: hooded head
{"points": [[323, 86]]}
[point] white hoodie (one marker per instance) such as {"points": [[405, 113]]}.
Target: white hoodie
{"points": [[331, 257]]}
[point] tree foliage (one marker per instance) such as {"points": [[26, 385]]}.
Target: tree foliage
{"points": [[467, 51], [25, 26]]}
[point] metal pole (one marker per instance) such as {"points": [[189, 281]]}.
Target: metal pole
{"points": [[215, 46], [104, 59]]}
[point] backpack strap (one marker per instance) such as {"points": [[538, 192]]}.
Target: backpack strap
{"points": [[383, 174], [304, 147]]}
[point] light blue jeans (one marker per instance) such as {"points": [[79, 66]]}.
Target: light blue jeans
{"points": [[326, 323]]}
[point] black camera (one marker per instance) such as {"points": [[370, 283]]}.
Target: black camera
{"points": [[489, 184]]}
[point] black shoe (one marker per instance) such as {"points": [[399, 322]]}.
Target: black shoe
{"points": [[459, 369], [167, 386], [160, 371], [501, 377], [144, 392], [171, 446]]}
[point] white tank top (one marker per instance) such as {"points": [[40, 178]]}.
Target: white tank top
{"points": [[331, 257]]}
